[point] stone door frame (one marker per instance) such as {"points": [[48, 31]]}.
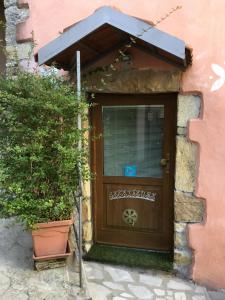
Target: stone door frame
{"points": [[187, 208]]}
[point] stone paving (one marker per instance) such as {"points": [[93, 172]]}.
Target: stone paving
{"points": [[19, 281], [217, 295], [106, 282]]}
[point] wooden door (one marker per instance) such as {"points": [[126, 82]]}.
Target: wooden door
{"points": [[133, 150]]}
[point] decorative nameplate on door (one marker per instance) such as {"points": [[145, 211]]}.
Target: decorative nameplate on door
{"points": [[134, 194]]}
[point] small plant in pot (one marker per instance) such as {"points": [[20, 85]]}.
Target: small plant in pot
{"points": [[39, 156]]}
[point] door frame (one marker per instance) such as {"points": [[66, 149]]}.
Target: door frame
{"points": [[172, 98]]}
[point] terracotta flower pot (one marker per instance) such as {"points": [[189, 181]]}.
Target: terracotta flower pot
{"points": [[51, 238]]}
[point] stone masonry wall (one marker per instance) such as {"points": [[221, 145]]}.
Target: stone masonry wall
{"points": [[188, 208], [16, 14]]}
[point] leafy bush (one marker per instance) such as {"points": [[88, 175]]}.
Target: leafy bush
{"points": [[38, 141]]}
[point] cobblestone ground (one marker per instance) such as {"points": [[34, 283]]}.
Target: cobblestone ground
{"points": [[19, 281], [120, 283]]}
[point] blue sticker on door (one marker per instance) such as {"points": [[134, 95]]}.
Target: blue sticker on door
{"points": [[130, 171]]}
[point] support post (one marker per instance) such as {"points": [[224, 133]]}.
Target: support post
{"points": [[79, 124]]}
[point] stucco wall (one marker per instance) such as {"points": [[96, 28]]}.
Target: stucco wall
{"points": [[200, 24]]}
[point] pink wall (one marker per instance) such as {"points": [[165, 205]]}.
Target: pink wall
{"points": [[201, 25]]}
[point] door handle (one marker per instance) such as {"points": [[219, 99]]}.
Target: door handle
{"points": [[165, 163]]}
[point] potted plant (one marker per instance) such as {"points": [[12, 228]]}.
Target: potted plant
{"points": [[39, 156]]}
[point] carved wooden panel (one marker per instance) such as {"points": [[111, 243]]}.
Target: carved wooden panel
{"points": [[146, 201]]}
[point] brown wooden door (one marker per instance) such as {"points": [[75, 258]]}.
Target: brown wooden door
{"points": [[133, 150]]}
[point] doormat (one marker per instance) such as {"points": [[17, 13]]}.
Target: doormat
{"points": [[130, 257]]}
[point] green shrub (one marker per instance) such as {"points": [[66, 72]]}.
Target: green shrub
{"points": [[38, 147]]}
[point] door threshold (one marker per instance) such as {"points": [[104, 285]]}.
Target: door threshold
{"points": [[131, 257], [134, 248]]}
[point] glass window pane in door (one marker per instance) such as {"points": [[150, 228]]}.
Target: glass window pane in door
{"points": [[133, 140]]}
